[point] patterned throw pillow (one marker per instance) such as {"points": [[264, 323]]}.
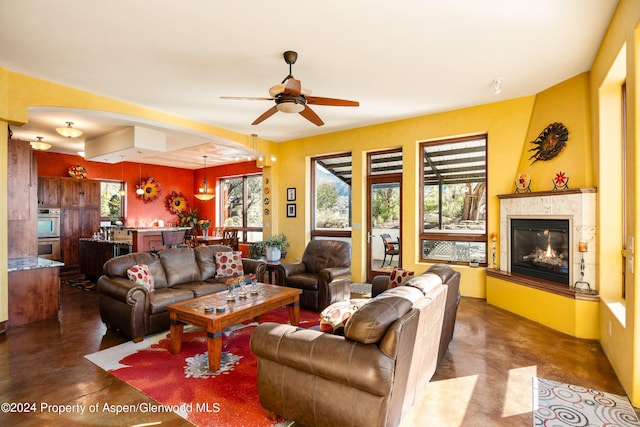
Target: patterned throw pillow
{"points": [[141, 274], [398, 276], [334, 317], [229, 264]]}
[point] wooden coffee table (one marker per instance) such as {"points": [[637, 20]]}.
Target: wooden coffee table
{"points": [[192, 312]]}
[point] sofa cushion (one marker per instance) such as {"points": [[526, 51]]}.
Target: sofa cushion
{"points": [[229, 264], [371, 321], [399, 276], [334, 317], [425, 282], [206, 258], [161, 298], [179, 265], [118, 266], [141, 274]]}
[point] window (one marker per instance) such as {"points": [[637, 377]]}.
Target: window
{"points": [[241, 206], [331, 197], [112, 200], [454, 200]]}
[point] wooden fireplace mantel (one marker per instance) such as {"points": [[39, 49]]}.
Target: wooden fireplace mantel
{"points": [[548, 193], [543, 285]]}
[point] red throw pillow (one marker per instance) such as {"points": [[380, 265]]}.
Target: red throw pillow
{"points": [[229, 264], [334, 317], [141, 274], [399, 276]]}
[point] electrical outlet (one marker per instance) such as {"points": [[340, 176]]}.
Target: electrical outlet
{"points": [[610, 328], [630, 264], [630, 240]]}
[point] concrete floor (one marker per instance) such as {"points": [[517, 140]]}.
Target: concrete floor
{"points": [[483, 380]]}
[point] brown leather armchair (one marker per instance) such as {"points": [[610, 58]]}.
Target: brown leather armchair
{"points": [[323, 274]]}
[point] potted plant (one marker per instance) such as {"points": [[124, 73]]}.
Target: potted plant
{"points": [[275, 246], [256, 250], [188, 218]]}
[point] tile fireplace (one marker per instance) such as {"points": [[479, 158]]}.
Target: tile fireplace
{"points": [[540, 233]]}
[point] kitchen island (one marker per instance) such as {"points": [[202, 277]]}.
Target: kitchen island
{"points": [[34, 290], [123, 240]]}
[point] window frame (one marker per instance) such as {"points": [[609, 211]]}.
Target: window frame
{"points": [[444, 235], [341, 234], [243, 230], [123, 200]]}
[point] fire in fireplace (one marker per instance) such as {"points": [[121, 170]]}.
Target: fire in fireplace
{"points": [[540, 248]]}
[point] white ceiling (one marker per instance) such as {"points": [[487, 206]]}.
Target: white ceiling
{"points": [[398, 59]]}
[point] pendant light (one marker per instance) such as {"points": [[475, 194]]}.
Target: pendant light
{"points": [[139, 190], [203, 192], [39, 145], [123, 190], [68, 131]]}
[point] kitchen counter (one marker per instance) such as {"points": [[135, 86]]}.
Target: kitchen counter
{"points": [[31, 263]]}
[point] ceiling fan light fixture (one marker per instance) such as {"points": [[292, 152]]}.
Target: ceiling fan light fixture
{"points": [[203, 192], [68, 131], [290, 107], [39, 145]]}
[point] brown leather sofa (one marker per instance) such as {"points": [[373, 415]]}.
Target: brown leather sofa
{"points": [[371, 376], [179, 274], [323, 274], [449, 277]]}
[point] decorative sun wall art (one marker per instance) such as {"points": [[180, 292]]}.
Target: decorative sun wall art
{"points": [[150, 190], [176, 202], [550, 142]]}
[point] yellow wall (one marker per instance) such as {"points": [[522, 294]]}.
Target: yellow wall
{"points": [[620, 336], [576, 318], [567, 103], [506, 124]]}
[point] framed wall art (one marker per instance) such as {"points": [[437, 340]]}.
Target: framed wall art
{"points": [[291, 194], [291, 210]]}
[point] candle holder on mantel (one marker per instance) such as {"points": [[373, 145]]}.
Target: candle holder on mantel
{"points": [[582, 285], [493, 251]]}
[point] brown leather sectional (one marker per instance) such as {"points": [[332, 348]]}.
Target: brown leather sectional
{"points": [[179, 274], [372, 375]]}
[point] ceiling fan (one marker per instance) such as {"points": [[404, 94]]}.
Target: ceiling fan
{"points": [[291, 97]]}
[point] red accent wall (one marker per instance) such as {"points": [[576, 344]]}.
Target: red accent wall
{"points": [[180, 180]]}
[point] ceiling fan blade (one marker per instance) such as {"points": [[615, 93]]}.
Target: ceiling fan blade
{"points": [[270, 112], [293, 87], [310, 115], [244, 98], [318, 100]]}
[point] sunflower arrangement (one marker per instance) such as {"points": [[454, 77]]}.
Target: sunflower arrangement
{"points": [[176, 202], [150, 190]]}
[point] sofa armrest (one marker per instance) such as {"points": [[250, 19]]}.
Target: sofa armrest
{"points": [[291, 268], [333, 357], [121, 289], [254, 266], [379, 284]]}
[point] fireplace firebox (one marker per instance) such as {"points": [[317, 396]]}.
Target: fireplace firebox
{"points": [[540, 248]]}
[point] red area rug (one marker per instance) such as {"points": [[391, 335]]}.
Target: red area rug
{"points": [[227, 397]]}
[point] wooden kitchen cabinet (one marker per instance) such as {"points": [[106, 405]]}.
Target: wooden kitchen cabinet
{"points": [[79, 193], [22, 222], [79, 217], [48, 192]]}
